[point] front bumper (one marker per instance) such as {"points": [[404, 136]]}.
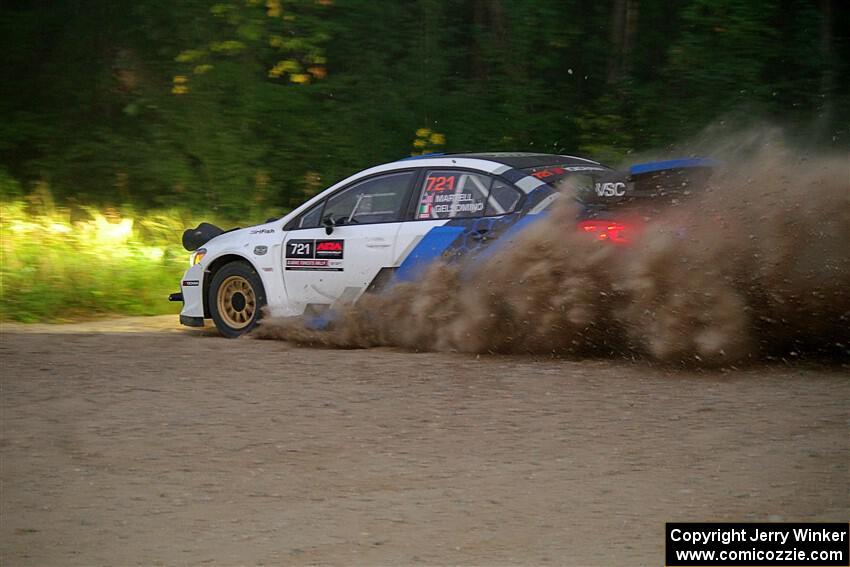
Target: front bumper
{"points": [[191, 321], [186, 319], [191, 294]]}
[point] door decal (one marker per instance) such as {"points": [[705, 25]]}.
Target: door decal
{"points": [[315, 255]]}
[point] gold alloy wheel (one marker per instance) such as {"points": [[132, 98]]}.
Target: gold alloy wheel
{"points": [[236, 302]]}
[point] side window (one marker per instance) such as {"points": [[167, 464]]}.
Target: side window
{"points": [[453, 194], [503, 198], [379, 199], [311, 218]]}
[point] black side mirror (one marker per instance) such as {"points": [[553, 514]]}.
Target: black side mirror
{"points": [[328, 223]]}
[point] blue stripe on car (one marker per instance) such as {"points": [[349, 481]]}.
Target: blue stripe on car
{"points": [[471, 238], [430, 248], [506, 238]]}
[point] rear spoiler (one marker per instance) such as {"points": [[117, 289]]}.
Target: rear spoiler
{"points": [[656, 166], [651, 179]]}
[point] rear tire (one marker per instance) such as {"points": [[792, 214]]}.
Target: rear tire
{"points": [[236, 299]]}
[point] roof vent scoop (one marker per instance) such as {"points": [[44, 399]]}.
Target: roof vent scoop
{"points": [[194, 238]]}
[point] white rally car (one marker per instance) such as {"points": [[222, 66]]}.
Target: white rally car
{"points": [[379, 225]]}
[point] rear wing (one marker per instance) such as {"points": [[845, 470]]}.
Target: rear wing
{"points": [[657, 179], [672, 164]]}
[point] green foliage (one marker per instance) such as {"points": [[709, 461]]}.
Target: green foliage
{"points": [[242, 105], [60, 263], [55, 267], [244, 108], [9, 186]]}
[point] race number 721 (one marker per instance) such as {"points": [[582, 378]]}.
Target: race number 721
{"points": [[440, 183], [299, 249]]}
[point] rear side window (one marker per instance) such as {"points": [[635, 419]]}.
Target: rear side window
{"points": [[503, 198], [447, 194]]}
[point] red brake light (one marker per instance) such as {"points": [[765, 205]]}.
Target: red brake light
{"points": [[610, 231]]}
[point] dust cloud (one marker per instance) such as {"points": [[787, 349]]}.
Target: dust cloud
{"points": [[754, 266]]}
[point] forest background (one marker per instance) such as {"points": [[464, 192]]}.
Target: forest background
{"points": [[121, 123]]}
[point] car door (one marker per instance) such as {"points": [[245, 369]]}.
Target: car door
{"points": [[341, 244], [457, 212]]}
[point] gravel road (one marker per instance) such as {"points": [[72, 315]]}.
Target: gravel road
{"points": [[134, 442]]}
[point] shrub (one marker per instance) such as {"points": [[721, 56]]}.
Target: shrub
{"points": [[63, 264]]}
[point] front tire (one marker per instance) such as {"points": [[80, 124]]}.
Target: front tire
{"points": [[236, 299]]}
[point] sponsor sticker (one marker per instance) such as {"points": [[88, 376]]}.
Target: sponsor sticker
{"points": [[585, 168], [314, 265], [330, 249], [617, 189], [544, 173], [561, 170], [315, 255], [190, 283], [450, 194]]}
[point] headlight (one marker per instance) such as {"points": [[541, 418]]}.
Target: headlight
{"points": [[197, 256]]}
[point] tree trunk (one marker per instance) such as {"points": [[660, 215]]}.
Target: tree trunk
{"points": [[623, 30], [827, 76]]}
